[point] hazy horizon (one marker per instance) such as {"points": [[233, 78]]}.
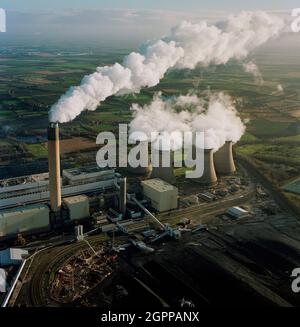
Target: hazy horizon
{"points": [[102, 25]]}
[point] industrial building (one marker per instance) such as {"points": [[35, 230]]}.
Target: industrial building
{"points": [[30, 189], [78, 207], [237, 213], [162, 195], [207, 196], [12, 256], [24, 219], [38, 203], [51, 186]]}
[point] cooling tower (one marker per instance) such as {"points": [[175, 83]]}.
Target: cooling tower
{"points": [[164, 173], [209, 174], [224, 162], [54, 167], [140, 170]]}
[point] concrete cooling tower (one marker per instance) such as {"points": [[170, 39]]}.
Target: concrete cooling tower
{"points": [[224, 163], [141, 171], [209, 175], [164, 173], [54, 167]]}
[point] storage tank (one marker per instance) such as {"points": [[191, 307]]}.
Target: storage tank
{"points": [[224, 163], [209, 174]]}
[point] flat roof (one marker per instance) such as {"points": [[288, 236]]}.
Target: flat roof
{"points": [[24, 179], [86, 170], [15, 253], [75, 199], [158, 184], [21, 209]]}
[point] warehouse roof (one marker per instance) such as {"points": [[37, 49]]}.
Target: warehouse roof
{"points": [[13, 254], [75, 199], [13, 212], [237, 212], [158, 184]]}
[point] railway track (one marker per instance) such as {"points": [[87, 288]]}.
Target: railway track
{"points": [[54, 258], [208, 209]]}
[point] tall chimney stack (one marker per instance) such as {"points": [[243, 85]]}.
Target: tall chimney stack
{"points": [[209, 174], [224, 162], [54, 167], [123, 195]]}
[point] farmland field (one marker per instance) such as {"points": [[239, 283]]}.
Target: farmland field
{"points": [[32, 79]]}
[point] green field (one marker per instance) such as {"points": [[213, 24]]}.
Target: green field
{"points": [[30, 84], [37, 150]]}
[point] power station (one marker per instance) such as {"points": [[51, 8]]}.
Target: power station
{"points": [[38, 203], [34, 204]]}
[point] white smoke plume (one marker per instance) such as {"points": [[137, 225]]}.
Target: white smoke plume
{"points": [[251, 68], [279, 90], [217, 117], [186, 46]]}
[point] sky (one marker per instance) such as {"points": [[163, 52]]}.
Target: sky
{"points": [[174, 5], [125, 21]]}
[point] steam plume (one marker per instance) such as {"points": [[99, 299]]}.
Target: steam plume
{"points": [[217, 117], [251, 68], [186, 46], [279, 90]]}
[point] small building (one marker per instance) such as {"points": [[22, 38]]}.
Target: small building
{"points": [[163, 196], [78, 207], [85, 175], [207, 196], [237, 213], [12, 256]]}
